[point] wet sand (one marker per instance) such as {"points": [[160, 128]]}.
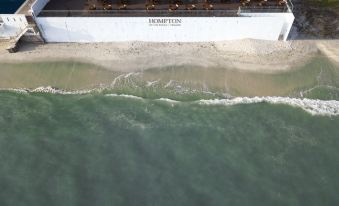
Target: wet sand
{"points": [[236, 68], [252, 55], [330, 48], [318, 75]]}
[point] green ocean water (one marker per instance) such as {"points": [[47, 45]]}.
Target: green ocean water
{"points": [[101, 150]]}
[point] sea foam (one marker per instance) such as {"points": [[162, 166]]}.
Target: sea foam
{"points": [[51, 90], [58, 91], [168, 100], [313, 106], [124, 95]]}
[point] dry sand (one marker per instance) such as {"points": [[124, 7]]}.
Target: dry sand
{"points": [[253, 55]]}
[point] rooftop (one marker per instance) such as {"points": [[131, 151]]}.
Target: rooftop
{"points": [[158, 7]]}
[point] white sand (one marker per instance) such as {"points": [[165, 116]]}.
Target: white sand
{"points": [[254, 55]]}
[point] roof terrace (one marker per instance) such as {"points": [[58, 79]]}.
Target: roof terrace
{"points": [[120, 8]]}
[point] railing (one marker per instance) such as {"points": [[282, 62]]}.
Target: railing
{"points": [[38, 6], [137, 13], [162, 12], [263, 9], [290, 5]]}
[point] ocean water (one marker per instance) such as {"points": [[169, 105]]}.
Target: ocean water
{"points": [[118, 149], [98, 149]]}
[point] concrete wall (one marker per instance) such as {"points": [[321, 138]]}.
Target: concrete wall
{"points": [[13, 25], [288, 21], [183, 29], [38, 6]]}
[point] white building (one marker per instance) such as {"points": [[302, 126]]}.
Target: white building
{"points": [[180, 21], [19, 24]]}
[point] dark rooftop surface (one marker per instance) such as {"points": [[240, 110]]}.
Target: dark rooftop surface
{"points": [[155, 7]]}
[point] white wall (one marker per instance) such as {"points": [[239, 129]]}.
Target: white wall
{"points": [[38, 6], [191, 29], [14, 24], [288, 21]]}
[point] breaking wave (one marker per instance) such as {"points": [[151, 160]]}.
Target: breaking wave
{"points": [[168, 100], [50, 90], [124, 95], [312, 106]]}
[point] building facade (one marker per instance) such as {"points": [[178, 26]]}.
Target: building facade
{"points": [[76, 21]]}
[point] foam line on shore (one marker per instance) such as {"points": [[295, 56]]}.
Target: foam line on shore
{"points": [[168, 100], [124, 95], [50, 90], [312, 106]]}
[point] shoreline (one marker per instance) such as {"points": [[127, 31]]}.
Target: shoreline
{"points": [[311, 106], [245, 68], [247, 55]]}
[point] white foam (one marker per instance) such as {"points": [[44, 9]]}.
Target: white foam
{"points": [[151, 83], [130, 74], [168, 100], [15, 90], [52, 90], [125, 76], [49, 89], [116, 79], [124, 95], [169, 83], [313, 106]]}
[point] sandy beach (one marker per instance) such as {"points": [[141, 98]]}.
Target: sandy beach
{"points": [[253, 55]]}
